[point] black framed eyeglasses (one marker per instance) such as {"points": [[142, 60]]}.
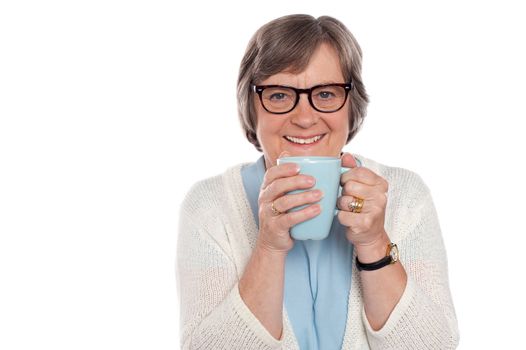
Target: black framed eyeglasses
{"points": [[280, 99]]}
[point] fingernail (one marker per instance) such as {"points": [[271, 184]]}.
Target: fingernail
{"points": [[296, 168]]}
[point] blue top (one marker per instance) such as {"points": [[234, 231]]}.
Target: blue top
{"points": [[317, 277]]}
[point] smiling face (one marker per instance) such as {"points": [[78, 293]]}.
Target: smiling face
{"points": [[298, 131]]}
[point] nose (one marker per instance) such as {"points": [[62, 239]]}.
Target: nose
{"points": [[304, 115]]}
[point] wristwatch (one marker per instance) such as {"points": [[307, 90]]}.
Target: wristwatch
{"points": [[390, 258]]}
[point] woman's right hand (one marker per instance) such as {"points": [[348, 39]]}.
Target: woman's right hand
{"points": [[274, 228]]}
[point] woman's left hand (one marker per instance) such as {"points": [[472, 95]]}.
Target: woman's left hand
{"points": [[367, 227]]}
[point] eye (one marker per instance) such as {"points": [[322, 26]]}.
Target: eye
{"points": [[328, 93], [277, 96], [325, 95]]}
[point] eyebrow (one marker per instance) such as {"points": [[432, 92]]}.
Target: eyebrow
{"points": [[325, 82]]}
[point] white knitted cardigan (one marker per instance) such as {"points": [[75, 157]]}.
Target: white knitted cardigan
{"points": [[217, 233]]}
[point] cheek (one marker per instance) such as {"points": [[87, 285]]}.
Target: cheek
{"points": [[340, 129], [268, 130], [341, 123]]}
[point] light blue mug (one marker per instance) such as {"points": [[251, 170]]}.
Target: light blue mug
{"points": [[327, 172]]}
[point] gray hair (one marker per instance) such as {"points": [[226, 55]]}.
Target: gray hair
{"points": [[287, 43]]}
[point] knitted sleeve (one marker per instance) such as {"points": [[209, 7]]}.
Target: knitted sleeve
{"points": [[213, 315], [424, 318]]}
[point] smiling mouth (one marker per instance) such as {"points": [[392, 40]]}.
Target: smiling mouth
{"points": [[304, 141]]}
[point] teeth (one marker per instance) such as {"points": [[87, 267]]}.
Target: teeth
{"points": [[303, 141]]}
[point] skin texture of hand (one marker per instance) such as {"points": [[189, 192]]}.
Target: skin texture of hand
{"points": [[382, 288], [367, 227], [261, 286], [274, 229]]}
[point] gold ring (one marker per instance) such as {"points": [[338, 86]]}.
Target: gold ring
{"points": [[274, 210], [356, 205]]}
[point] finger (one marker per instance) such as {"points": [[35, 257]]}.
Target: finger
{"points": [[349, 219], [289, 201], [360, 190], [378, 202], [348, 160], [343, 202], [363, 175], [286, 221], [278, 171], [280, 186]]}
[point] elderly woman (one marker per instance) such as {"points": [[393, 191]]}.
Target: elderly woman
{"points": [[244, 283]]}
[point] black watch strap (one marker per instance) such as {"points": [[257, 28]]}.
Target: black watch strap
{"points": [[375, 265]]}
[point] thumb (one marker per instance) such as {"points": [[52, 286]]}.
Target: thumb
{"points": [[348, 160]]}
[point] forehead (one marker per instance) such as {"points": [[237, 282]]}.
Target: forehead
{"points": [[323, 67]]}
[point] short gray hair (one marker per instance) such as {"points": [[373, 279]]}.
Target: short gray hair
{"points": [[287, 43]]}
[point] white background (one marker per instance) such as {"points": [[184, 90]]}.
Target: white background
{"points": [[110, 110]]}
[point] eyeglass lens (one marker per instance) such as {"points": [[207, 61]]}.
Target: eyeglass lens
{"points": [[282, 99]]}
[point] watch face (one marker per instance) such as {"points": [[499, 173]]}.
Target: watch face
{"points": [[394, 253]]}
